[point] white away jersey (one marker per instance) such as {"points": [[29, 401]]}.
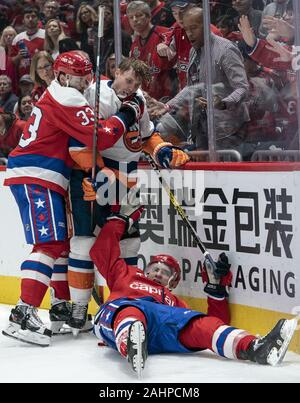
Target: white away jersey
{"points": [[129, 146]]}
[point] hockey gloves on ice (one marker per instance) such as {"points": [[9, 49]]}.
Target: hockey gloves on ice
{"points": [[168, 156], [216, 284], [130, 209], [132, 110], [102, 189]]}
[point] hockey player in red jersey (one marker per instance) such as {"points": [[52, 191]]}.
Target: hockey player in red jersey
{"points": [[38, 174], [142, 316]]}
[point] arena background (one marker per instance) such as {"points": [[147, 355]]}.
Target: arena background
{"points": [[250, 211]]}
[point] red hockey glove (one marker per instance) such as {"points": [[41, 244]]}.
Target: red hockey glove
{"points": [[216, 285], [169, 156], [130, 209]]}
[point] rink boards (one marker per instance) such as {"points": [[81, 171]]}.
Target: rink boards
{"points": [[250, 212]]}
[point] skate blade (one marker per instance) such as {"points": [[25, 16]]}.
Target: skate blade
{"points": [[26, 336], [137, 338], [88, 327], [277, 356], [11, 330], [56, 327]]}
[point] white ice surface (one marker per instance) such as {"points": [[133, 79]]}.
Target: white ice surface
{"points": [[81, 360]]}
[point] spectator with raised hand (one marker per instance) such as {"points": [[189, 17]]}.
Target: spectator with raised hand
{"points": [[276, 8], [263, 51], [279, 28]]}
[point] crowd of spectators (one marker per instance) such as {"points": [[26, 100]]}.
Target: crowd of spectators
{"points": [[253, 65]]}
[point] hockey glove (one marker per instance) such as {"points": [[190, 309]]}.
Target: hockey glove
{"points": [[130, 209], [132, 110], [216, 284], [169, 156], [102, 189]]}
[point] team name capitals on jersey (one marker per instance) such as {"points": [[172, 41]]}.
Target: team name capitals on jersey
{"points": [[151, 291]]}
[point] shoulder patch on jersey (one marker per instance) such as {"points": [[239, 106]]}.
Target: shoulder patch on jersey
{"points": [[133, 140]]}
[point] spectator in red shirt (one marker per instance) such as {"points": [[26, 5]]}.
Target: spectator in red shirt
{"points": [[27, 43], [144, 47]]}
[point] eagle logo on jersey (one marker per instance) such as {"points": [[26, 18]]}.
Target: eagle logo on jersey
{"points": [[133, 140]]}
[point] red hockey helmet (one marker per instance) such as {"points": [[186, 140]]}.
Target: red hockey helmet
{"points": [[173, 264], [73, 63]]}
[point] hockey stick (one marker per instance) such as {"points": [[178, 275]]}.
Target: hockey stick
{"points": [[207, 256], [97, 104], [98, 299]]}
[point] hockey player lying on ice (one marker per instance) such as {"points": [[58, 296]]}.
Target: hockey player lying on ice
{"points": [[142, 316]]}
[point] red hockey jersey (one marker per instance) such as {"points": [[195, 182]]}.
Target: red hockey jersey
{"points": [[124, 280], [42, 156]]}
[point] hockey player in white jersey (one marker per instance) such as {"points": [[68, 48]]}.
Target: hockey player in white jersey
{"points": [[120, 161]]}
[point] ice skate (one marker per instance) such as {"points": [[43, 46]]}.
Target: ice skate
{"points": [[80, 321], [60, 313], [137, 347], [25, 325], [271, 349]]}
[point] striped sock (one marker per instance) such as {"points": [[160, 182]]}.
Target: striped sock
{"points": [[226, 340], [36, 275], [59, 279], [81, 278]]}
